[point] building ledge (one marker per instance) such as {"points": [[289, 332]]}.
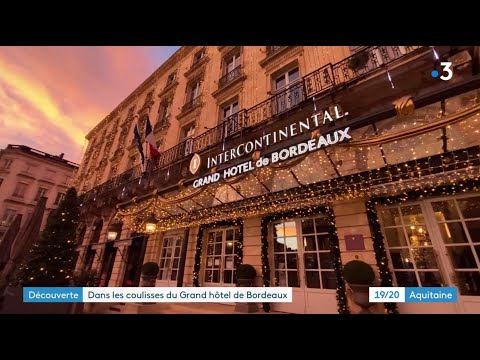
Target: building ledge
{"points": [[46, 181], [274, 54], [229, 85], [196, 68], [26, 175], [168, 88]]}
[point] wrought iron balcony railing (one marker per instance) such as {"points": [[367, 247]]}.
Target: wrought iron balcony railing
{"points": [[359, 65], [230, 76], [321, 80]]}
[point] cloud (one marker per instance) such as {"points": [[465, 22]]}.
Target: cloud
{"points": [[50, 97]]}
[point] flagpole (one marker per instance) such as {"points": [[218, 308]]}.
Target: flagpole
{"points": [[145, 139]]}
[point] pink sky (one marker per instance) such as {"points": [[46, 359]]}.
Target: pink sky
{"points": [[50, 97]]}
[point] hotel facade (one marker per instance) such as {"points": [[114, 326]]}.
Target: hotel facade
{"points": [[296, 160]]}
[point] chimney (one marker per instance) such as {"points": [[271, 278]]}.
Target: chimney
{"points": [[61, 155]]}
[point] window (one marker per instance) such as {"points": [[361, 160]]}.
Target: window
{"points": [[222, 249], [409, 246], [164, 112], [2, 232], [198, 56], [230, 109], [59, 198], [232, 62], [193, 91], [41, 192], [230, 118], [66, 179], [149, 96], [8, 216], [50, 174], [130, 112], [20, 190], [170, 258], [6, 164], [303, 246], [288, 90], [286, 79], [171, 78], [1, 181], [188, 131], [159, 143]]}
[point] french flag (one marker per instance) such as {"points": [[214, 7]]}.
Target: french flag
{"points": [[150, 139]]}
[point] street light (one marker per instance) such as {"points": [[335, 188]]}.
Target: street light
{"points": [[150, 224], [113, 230]]}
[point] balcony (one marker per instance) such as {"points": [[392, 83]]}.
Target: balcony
{"points": [[189, 106], [320, 82], [162, 124], [361, 64], [230, 77]]}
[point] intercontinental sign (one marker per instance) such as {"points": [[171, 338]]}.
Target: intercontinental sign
{"points": [[262, 143]]}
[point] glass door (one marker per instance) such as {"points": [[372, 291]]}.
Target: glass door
{"points": [[169, 260], [221, 256], [302, 260]]}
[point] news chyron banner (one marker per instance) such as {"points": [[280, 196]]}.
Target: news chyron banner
{"points": [[221, 294], [157, 294]]}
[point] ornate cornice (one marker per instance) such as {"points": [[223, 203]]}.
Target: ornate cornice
{"points": [[26, 176], [117, 155], [232, 87], [197, 68], [167, 90], [197, 108], [280, 56]]}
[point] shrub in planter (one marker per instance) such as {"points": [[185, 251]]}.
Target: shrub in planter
{"points": [[246, 274], [149, 273], [359, 276], [358, 61], [357, 272]]}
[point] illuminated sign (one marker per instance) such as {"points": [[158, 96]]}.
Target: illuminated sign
{"points": [[289, 131]]}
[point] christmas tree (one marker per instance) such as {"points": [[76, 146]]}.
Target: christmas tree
{"points": [[51, 260]]}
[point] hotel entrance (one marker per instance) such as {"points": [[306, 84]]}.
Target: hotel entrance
{"points": [[435, 242], [300, 258]]}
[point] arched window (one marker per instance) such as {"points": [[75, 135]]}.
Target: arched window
{"points": [[96, 231], [81, 234]]}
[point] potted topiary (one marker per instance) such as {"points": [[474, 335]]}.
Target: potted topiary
{"points": [[149, 273], [246, 274], [358, 61], [359, 276]]}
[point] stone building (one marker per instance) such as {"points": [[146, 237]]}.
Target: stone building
{"points": [[27, 174], [295, 159]]}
